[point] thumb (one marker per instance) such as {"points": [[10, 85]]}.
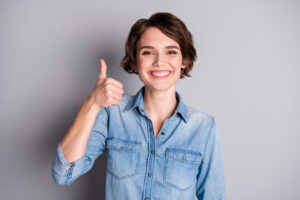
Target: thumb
{"points": [[102, 69]]}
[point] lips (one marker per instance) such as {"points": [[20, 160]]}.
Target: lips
{"points": [[160, 73]]}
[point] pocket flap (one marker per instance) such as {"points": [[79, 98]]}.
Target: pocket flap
{"points": [[122, 145], [183, 155]]}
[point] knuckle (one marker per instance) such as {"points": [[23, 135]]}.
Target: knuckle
{"points": [[108, 86], [106, 82], [119, 83], [108, 93]]}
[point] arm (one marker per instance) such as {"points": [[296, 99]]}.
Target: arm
{"points": [[68, 165], [210, 179], [85, 140], [74, 142]]}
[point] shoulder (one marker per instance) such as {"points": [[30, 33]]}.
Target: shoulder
{"points": [[203, 124], [193, 112], [199, 117]]}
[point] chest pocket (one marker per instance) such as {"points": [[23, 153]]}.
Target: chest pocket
{"points": [[181, 168], [122, 157]]}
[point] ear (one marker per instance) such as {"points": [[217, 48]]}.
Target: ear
{"points": [[134, 67], [184, 65]]}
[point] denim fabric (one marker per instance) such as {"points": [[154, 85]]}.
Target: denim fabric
{"points": [[184, 161]]}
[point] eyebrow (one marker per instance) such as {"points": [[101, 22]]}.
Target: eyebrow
{"points": [[151, 47]]}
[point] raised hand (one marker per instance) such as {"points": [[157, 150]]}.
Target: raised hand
{"points": [[107, 91]]}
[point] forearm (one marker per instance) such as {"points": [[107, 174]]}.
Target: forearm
{"points": [[74, 143]]}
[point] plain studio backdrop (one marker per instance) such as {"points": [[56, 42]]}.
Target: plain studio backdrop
{"points": [[246, 76]]}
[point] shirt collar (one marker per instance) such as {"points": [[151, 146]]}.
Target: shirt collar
{"points": [[137, 101]]}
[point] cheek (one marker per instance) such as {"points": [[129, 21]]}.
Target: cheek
{"points": [[176, 63], [144, 63]]}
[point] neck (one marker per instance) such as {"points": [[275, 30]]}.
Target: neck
{"points": [[160, 105]]}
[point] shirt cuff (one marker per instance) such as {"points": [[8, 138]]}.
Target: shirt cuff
{"points": [[65, 173]]}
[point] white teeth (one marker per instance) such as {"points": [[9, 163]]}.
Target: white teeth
{"points": [[160, 73]]}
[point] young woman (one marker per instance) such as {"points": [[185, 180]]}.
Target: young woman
{"points": [[157, 147]]}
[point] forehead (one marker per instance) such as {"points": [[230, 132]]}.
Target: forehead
{"points": [[156, 38]]}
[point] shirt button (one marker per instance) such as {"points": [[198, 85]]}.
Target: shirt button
{"points": [[149, 174], [122, 148], [142, 110], [150, 129], [152, 151], [163, 133], [146, 198], [183, 158]]}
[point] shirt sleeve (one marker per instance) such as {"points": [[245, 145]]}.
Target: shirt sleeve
{"points": [[210, 179], [65, 173]]}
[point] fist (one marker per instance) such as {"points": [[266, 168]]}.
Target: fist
{"points": [[107, 91]]}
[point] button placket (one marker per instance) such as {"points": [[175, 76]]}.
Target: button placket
{"points": [[151, 157]]}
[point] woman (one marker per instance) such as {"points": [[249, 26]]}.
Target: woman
{"points": [[157, 147]]}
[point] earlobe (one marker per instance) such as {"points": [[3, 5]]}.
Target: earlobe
{"points": [[183, 65], [134, 68]]}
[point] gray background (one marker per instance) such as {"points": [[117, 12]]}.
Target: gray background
{"points": [[246, 76]]}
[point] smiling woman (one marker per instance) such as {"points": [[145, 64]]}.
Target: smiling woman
{"points": [[159, 64], [172, 28], [157, 146]]}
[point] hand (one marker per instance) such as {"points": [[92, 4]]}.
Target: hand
{"points": [[107, 91]]}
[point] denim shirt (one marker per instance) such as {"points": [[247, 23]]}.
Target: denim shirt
{"points": [[184, 161]]}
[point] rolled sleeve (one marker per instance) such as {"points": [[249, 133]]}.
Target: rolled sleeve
{"points": [[65, 173], [210, 179]]}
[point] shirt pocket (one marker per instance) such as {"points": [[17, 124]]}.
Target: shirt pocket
{"points": [[181, 168], [122, 157]]}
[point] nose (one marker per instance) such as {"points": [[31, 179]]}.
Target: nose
{"points": [[159, 60]]}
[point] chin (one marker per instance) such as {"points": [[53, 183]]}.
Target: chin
{"points": [[159, 87]]}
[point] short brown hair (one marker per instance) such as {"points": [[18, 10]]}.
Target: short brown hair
{"points": [[171, 26]]}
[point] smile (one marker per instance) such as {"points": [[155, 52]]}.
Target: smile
{"points": [[160, 74]]}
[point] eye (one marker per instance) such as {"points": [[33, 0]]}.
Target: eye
{"points": [[172, 52], [146, 53]]}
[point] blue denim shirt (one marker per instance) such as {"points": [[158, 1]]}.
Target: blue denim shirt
{"points": [[184, 161]]}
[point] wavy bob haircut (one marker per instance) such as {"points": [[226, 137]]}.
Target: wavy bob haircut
{"points": [[171, 26]]}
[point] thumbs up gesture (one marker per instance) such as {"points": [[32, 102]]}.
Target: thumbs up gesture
{"points": [[107, 91]]}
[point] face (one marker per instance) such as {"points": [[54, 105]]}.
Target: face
{"points": [[159, 60]]}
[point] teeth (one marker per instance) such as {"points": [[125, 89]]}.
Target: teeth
{"points": [[160, 73]]}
